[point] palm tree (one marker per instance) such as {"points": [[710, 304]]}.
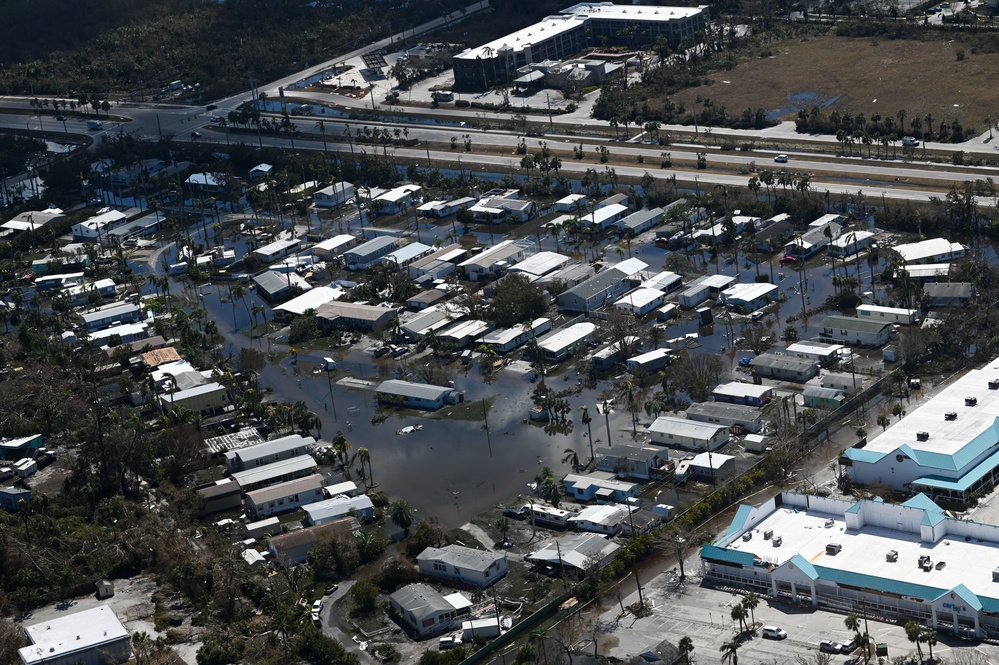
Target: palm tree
{"points": [[852, 623], [364, 457], [570, 455], [929, 636], [914, 632], [586, 419], [686, 647], [401, 514], [631, 394], [751, 601], [502, 525], [730, 652], [739, 614]]}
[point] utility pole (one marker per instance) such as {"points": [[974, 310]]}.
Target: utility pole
{"points": [[485, 419], [329, 380]]}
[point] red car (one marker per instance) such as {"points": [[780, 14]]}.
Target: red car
{"points": [[788, 259]]}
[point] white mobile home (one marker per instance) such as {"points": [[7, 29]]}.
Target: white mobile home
{"points": [[335, 195], [277, 250], [641, 301], [367, 254], [746, 298], [683, 433], [651, 361], [333, 247], [853, 330], [558, 345], [505, 340], [905, 317]]}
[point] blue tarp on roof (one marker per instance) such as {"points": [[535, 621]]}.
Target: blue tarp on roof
{"points": [[723, 555]]}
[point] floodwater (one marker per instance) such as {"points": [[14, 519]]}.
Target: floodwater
{"points": [[454, 468]]}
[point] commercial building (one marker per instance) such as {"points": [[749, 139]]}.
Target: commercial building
{"points": [[689, 434], [476, 568], [88, 637], [416, 395], [946, 448], [784, 368], [368, 254], [284, 497], [567, 33], [894, 560], [746, 298], [935, 250], [559, 344], [354, 316], [855, 331], [594, 292], [598, 486]]}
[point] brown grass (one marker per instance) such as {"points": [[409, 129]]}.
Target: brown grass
{"points": [[867, 75]]}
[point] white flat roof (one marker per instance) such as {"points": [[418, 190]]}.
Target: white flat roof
{"points": [[545, 29], [739, 389], [685, 428], [60, 638], [559, 339], [334, 243], [748, 292], [541, 263], [916, 251], [320, 295], [640, 297], [863, 551], [407, 253], [947, 437]]}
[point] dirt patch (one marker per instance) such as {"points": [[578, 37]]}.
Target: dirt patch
{"points": [[860, 76]]}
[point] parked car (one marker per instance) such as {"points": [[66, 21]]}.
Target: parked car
{"points": [[774, 633], [757, 315], [745, 362], [211, 107], [195, 135], [785, 260], [448, 643], [331, 589], [781, 159], [830, 646]]}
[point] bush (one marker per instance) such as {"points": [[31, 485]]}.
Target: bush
{"points": [[462, 103]]}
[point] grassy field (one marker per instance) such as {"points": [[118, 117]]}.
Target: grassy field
{"points": [[861, 76]]}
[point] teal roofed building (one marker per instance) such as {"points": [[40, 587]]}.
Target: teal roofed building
{"points": [[908, 559], [948, 448]]}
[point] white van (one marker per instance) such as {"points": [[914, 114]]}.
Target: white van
{"points": [[774, 633]]}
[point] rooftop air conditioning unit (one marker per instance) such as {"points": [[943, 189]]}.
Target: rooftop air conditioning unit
{"points": [[950, 415], [994, 384], [922, 436], [970, 401]]}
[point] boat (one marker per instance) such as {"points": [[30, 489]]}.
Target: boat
{"points": [[409, 429]]}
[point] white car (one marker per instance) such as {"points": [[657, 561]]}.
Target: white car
{"points": [[774, 633], [781, 159]]}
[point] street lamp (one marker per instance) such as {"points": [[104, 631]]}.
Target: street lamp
{"points": [[329, 366]]}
